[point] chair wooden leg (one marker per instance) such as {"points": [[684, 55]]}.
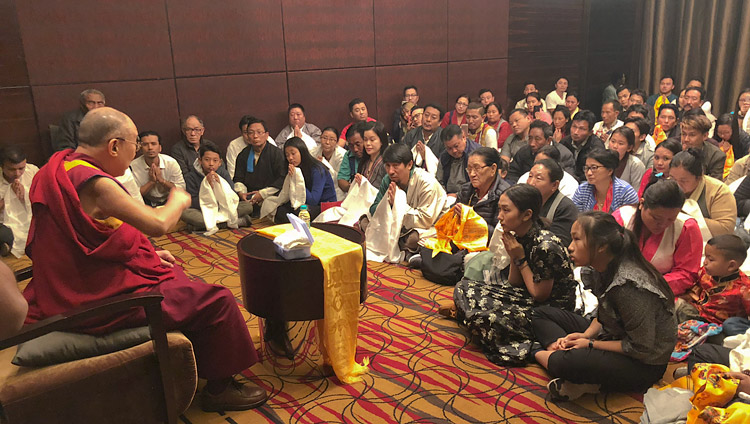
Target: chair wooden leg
{"points": [[161, 347]]}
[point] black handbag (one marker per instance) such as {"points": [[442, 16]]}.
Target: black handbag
{"points": [[445, 269]]}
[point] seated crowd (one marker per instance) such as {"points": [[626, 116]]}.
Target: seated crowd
{"points": [[633, 198]]}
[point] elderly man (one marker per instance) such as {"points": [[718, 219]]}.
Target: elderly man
{"points": [[260, 168], [89, 99], [185, 151], [80, 209], [610, 122], [299, 127], [540, 135], [451, 172], [582, 140], [238, 144], [428, 134], [15, 210], [154, 173]]}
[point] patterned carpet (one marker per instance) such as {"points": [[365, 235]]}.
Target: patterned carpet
{"points": [[423, 368]]}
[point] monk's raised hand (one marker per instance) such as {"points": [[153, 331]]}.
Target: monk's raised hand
{"points": [[166, 258], [180, 196]]}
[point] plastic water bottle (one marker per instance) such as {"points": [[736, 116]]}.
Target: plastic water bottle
{"points": [[304, 215]]}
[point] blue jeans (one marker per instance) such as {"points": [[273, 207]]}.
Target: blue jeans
{"points": [[736, 325]]}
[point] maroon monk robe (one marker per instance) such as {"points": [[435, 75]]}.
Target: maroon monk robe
{"points": [[78, 259]]}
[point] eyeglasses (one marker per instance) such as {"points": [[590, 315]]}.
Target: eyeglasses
{"points": [[462, 104], [137, 142], [253, 133], [475, 169], [194, 130], [592, 168]]}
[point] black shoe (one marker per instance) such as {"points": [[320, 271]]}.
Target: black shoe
{"points": [[236, 397], [415, 261]]}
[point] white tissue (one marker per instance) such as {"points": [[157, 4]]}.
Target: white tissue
{"points": [[292, 239]]}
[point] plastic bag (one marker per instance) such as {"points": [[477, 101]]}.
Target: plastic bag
{"points": [[467, 231]]}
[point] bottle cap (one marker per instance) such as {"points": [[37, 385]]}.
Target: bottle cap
{"points": [[303, 208]]}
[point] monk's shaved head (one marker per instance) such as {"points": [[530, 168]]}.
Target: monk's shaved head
{"points": [[103, 124]]}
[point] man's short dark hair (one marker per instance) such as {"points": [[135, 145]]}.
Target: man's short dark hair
{"points": [[585, 115], [253, 120], [522, 111], [245, 121], [643, 126], [476, 106], [573, 94], [449, 132], [397, 153], [731, 246], [639, 92], [666, 76], [355, 101], [700, 91], [670, 106], [699, 79], [353, 129], [410, 87], [621, 88], [208, 147], [553, 168], [615, 105], [545, 127], [148, 133], [643, 110], [551, 151], [436, 106], [296, 106], [485, 90], [12, 154]]}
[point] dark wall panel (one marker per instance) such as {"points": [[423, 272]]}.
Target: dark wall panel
{"points": [[477, 29], [94, 40], [471, 76], [151, 104], [13, 65], [226, 37], [19, 124], [332, 34], [410, 32], [221, 101], [326, 94], [545, 40], [430, 79]]}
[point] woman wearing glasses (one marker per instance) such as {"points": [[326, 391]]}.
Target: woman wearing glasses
{"points": [[485, 185], [602, 191], [458, 115]]}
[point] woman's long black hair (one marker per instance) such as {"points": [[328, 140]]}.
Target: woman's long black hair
{"points": [[658, 194], [307, 163]]}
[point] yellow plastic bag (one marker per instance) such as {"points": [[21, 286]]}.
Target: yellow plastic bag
{"points": [[467, 231], [712, 392]]}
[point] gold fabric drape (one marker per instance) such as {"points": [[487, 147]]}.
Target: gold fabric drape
{"points": [[705, 38]]}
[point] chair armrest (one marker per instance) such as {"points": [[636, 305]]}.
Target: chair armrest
{"points": [[82, 313]]}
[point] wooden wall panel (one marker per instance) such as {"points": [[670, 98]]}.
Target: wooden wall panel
{"points": [[221, 101], [410, 32], [19, 124], [94, 40], [13, 64], [326, 94], [226, 37], [430, 79], [332, 34], [471, 76], [545, 41], [477, 29], [151, 104]]}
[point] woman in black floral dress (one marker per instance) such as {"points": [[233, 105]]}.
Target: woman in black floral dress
{"points": [[498, 312]]}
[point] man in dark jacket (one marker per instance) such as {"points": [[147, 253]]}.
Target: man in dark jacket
{"points": [[540, 135], [546, 175], [582, 140], [451, 172]]}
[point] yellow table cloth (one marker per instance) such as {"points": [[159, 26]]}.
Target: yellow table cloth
{"points": [[342, 266]]}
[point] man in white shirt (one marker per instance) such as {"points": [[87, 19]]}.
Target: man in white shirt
{"points": [[557, 96], [529, 87], [298, 127], [239, 143], [154, 173], [15, 208], [604, 128]]}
